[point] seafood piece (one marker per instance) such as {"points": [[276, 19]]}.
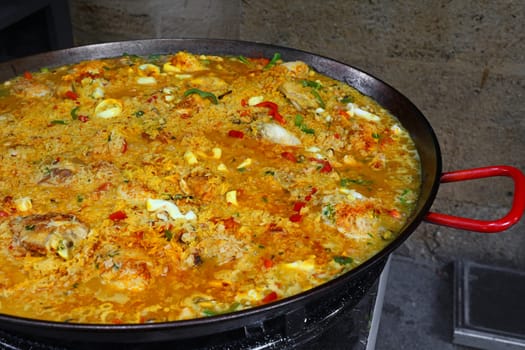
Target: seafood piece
{"points": [[277, 134]]}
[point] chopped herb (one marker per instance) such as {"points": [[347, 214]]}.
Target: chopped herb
{"points": [[308, 130], [203, 94], [113, 253], [243, 59], [376, 135], [60, 122], [153, 57], [208, 312], [347, 99], [313, 84], [276, 57], [318, 98], [168, 234], [346, 181], [30, 227], [269, 172], [139, 114], [299, 122], [73, 113], [403, 197], [180, 196], [343, 260], [328, 212], [80, 198], [44, 70], [130, 56]]}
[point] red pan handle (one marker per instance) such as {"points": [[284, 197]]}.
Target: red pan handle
{"points": [[486, 226]]}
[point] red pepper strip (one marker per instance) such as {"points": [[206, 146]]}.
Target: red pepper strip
{"points": [[118, 215], [296, 217], [270, 297], [124, 147], [104, 187], [71, 95], [326, 165], [274, 111], [308, 197], [297, 206], [289, 156], [236, 133]]}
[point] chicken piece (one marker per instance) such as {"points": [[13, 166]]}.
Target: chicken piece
{"points": [[205, 187], [353, 214], [184, 62], [60, 171], [297, 69], [299, 95], [91, 69], [48, 233], [25, 88], [57, 176], [211, 84], [124, 268]]}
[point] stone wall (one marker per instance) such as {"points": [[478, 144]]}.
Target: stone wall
{"points": [[461, 62]]}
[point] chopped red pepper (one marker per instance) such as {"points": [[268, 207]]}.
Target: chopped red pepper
{"points": [[290, 156], [3, 214], [270, 297], [71, 95], [296, 217], [268, 263], [104, 187], [326, 168], [394, 213], [124, 147], [297, 206], [83, 118], [273, 111], [244, 103], [118, 215], [236, 133], [28, 75]]}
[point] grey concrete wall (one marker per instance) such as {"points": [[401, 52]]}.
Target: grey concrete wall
{"points": [[462, 62], [111, 20]]}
